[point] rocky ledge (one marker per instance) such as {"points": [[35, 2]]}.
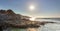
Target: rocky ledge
{"points": [[10, 19]]}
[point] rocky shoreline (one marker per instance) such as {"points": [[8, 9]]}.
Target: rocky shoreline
{"points": [[10, 19]]}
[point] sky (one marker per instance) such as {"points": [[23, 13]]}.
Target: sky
{"points": [[43, 8]]}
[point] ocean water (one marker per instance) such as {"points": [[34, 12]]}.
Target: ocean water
{"points": [[50, 26], [46, 27]]}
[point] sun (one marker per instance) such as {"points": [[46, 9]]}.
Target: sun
{"points": [[31, 7]]}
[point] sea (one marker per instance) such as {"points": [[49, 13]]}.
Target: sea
{"points": [[46, 27]]}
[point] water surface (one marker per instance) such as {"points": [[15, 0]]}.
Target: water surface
{"points": [[46, 27]]}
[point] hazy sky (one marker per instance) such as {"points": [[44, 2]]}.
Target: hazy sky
{"points": [[43, 8]]}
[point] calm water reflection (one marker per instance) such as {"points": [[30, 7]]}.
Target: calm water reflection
{"points": [[32, 29]]}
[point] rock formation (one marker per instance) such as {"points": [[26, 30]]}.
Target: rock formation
{"points": [[9, 18]]}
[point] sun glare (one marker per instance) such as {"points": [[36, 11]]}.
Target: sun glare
{"points": [[32, 19], [31, 7]]}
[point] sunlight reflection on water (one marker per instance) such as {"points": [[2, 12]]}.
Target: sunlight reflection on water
{"points": [[32, 29]]}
